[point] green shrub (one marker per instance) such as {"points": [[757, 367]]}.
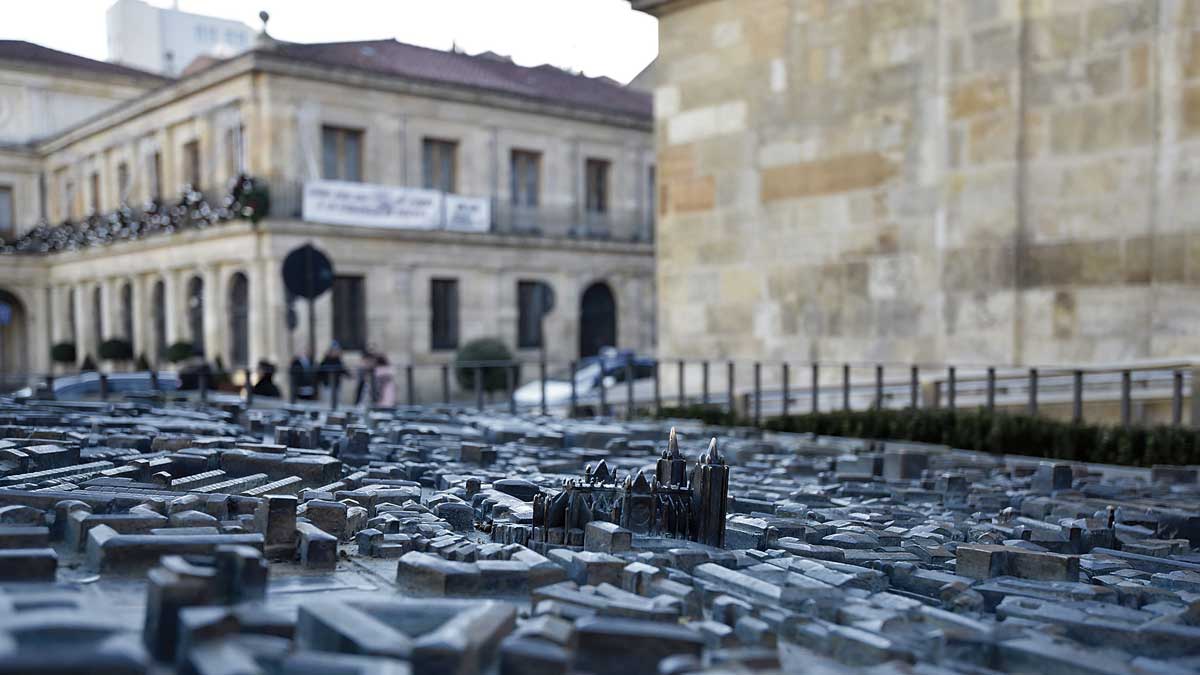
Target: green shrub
{"points": [[180, 351], [64, 352], [481, 350], [116, 349], [995, 433]]}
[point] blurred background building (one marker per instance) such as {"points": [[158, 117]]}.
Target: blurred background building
{"points": [[449, 186], [985, 181], [166, 41]]}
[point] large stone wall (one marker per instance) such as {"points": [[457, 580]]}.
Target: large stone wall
{"points": [[1003, 181]]}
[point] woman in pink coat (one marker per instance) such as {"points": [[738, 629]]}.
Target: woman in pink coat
{"points": [[385, 383]]}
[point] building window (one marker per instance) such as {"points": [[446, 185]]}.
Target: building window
{"points": [[533, 301], [94, 185], [596, 183], [525, 169], [122, 182], [233, 151], [341, 154], [443, 298], [349, 313], [239, 320], [97, 318], [195, 314], [72, 327], [438, 164], [68, 199], [191, 163], [155, 171], [127, 312], [158, 313], [8, 218]]}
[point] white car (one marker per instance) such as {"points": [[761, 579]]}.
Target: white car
{"points": [[610, 368], [87, 385]]}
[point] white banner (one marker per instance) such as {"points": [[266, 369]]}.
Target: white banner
{"points": [[345, 203], [468, 214]]}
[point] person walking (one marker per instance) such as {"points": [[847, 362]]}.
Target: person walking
{"points": [[332, 370], [385, 383]]}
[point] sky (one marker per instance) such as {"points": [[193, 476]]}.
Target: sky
{"points": [[597, 37]]}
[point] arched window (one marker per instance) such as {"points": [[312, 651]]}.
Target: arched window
{"points": [[239, 319], [72, 329], [127, 312], [195, 314], [158, 314], [97, 318], [14, 336], [597, 319]]}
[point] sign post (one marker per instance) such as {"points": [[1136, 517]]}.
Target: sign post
{"points": [[307, 273]]}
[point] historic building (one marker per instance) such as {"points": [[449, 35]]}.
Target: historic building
{"points": [[442, 186], [975, 181]]}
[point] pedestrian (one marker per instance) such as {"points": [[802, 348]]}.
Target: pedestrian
{"points": [[301, 377], [265, 386], [332, 370], [385, 383], [363, 389]]}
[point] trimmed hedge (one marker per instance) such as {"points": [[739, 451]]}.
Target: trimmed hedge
{"points": [[64, 352], [116, 349], [979, 430], [483, 350]]}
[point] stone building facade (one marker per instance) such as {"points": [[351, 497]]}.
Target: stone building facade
{"points": [[371, 112], [975, 181]]}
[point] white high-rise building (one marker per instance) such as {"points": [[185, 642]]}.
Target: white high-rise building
{"points": [[166, 40]]}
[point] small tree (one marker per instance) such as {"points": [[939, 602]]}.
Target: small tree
{"points": [[179, 351], [64, 353], [475, 351], [116, 349]]}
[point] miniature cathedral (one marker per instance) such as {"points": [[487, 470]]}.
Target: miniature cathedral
{"points": [[672, 505]]}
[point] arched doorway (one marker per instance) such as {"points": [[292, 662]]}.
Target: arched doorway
{"points": [[597, 320], [14, 338], [158, 315], [239, 320], [195, 314]]}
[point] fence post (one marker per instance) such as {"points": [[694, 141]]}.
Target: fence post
{"points": [[879, 386], [1126, 396], [845, 386], [571, 412], [335, 391], [757, 393], [729, 386], [1077, 397], [1177, 398], [914, 386], [603, 396], [247, 387], [629, 390], [508, 389], [204, 386], [50, 386], [446, 384], [991, 389], [951, 382], [1033, 391], [787, 394], [410, 385], [478, 388], [815, 391], [542, 383], [103, 386], [704, 383], [682, 393], [154, 378], [657, 391]]}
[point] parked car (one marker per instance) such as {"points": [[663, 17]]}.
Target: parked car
{"points": [[610, 368], [87, 385]]}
